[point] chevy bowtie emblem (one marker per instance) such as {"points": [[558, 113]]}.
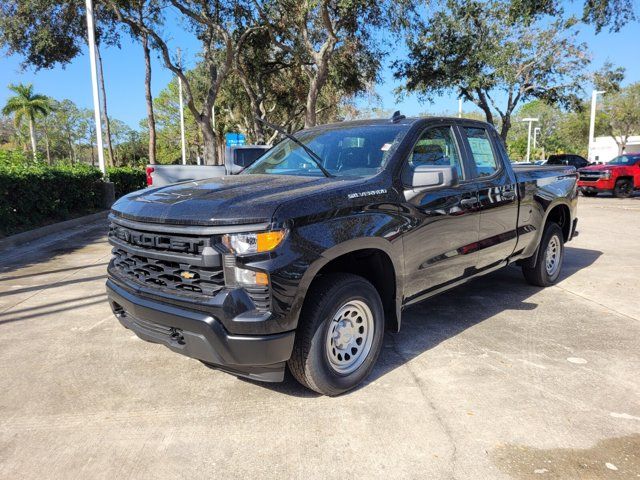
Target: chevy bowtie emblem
{"points": [[187, 275]]}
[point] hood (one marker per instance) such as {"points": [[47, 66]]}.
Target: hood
{"points": [[230, 200], [599, 168]]}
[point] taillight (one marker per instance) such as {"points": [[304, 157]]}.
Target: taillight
{"points": [[150, 170]]}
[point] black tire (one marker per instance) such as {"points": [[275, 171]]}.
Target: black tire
{"points": [[327, 297], [540, 275], [623, 188], [589, 194]]}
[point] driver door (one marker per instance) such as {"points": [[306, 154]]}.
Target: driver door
{"points": [[440, 247]]}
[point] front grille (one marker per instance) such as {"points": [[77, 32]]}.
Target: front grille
{"points": [[160, 242], [175, 263], [168, 275], [590, 176]]}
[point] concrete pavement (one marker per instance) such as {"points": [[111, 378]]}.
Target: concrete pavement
{"points": [[496, 379]]}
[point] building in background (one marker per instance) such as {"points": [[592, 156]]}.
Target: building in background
{"points": [[605, 149]]}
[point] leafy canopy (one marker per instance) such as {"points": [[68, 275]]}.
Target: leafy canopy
{"points": [[26, 103]]}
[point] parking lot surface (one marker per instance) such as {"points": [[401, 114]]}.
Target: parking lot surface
{"points": [[495, 379]]}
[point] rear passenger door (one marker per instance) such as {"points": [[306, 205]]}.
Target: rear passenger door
{"points": [[497, 195]]}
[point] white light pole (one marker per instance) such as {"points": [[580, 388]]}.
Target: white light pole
{"points": [[94, 84], [592, 121], [530, 120], [184, 143], [459, 108]]}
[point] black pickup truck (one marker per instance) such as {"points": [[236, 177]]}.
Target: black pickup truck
{"points": [[305, 258]]}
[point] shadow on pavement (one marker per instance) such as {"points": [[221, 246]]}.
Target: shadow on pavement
{"points": [[61, 306], [50, 247], [429, 323]]}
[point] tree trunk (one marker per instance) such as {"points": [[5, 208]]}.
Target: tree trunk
{"points": [[209, 153], [147, 92], [504, 129], [310, 117], [72, 150], [32, 133], [105, 115], [46, 144]]}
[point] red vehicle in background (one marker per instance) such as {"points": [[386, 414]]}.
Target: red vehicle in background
{"points": [[621, 176]]}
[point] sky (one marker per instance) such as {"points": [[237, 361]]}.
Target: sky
{"points": [[124, 74]]}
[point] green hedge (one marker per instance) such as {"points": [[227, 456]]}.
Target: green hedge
{"points": [[35, 195], [14, 157], [127, 179]]}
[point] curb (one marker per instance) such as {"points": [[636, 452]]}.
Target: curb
{"points": [[31, 235]]}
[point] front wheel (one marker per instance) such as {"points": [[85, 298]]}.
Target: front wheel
{"points": [[623, 188], [340, 334], [549, 258]]}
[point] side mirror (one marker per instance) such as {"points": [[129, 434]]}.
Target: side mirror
{"points": [[431, 176]]}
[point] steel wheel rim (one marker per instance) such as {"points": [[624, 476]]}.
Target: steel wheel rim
{"points": [[349, 337], [552, 255]]}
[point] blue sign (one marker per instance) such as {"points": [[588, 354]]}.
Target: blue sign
{"points": [[234, 139]]}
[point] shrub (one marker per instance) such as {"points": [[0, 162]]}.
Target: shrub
{"points": [[14, 157], [127, 179], [34, 195]]}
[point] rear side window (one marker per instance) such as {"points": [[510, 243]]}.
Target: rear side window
{"points": [[481, 151]]}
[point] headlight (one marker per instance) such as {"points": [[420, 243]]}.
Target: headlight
{"points": [[241, 243], [606, 174]]}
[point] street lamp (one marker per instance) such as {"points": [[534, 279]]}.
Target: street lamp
{"points": [[536, 131], [94, 84], [592, 122], [530, 120]]}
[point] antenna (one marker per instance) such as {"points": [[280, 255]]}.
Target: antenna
{"points": [[397, 116]]}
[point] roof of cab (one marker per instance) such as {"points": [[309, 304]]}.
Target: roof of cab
{"points": [[408, 121]]}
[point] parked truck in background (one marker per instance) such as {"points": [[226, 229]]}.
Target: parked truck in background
{"points": [[620, 176], [237, 158], [306, 257]]}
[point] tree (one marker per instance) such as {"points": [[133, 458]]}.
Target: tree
{"points": [[222, 27], [476, 50], [599, 13], [622, 112], [318, 35], [608, 78], [27, 104], [148, 12], [167, 117]]}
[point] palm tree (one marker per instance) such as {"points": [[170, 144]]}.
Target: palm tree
{"points": [[27, 104]]}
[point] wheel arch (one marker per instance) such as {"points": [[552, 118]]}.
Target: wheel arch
{"points": [[371, 258]]}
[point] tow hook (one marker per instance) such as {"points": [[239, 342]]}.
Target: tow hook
{"points": [[176, 336]]}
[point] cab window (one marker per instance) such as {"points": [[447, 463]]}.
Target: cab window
{"points": [[437, 147], [481, 151]]}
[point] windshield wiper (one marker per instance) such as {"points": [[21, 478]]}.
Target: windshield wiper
{"points": [[313, 155]]}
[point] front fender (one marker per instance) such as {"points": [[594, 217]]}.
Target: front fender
{"points": [[317, 245]]}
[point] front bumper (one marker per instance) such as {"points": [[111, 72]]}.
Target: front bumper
{"points": [[602, 185], [202, 336]]}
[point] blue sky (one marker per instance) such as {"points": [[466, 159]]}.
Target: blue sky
{"points": [[124, 74]]}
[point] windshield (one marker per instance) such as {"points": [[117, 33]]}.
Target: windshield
{"points": [[350, 151], [625, 160]]}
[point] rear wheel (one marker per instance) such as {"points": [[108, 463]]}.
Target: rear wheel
{"points": [[340, 334], [623, 188], [549, 258], [589, 194]]}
